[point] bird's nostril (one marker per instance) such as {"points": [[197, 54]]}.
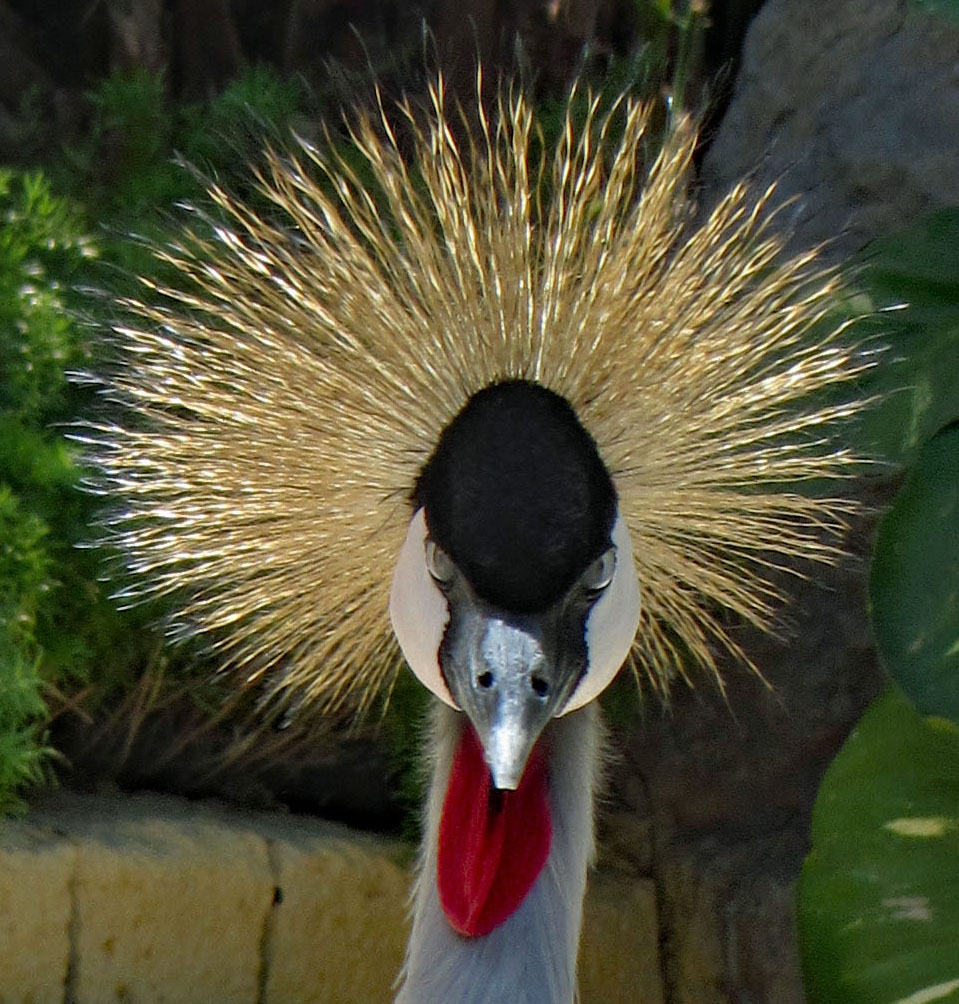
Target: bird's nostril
{"points": [[485, 680], [539, 685]]}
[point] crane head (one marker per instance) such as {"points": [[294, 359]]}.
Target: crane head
{"points": [[390, 339], [515, 598]]}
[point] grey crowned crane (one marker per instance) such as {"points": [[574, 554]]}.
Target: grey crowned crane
{"points": [[513, 416]]}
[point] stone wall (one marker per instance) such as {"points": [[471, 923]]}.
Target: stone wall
{"points": [[156, 900], [851, 107]]}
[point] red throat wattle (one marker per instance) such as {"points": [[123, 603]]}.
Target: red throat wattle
{"points": [[493, 844]]}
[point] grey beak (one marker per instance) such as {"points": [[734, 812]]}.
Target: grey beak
{"points": [[508, 747], [507, 686]]}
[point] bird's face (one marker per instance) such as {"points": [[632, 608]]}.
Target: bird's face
{"points": [[515, 598]]}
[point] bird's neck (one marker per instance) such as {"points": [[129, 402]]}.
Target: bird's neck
{"points": [[529, 958]]}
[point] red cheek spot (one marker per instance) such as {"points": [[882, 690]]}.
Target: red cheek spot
{"points": [[493, 844]]}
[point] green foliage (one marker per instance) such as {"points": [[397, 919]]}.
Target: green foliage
{"points": [[228, 133], [42, 252], [42, 247], [658, 72], [56, 627], [128, 144], [128, 167], [945, 8], [24, 582], [404, 728], [879, 898], [24, 570], [879, 895], [914, 584], [59, 633], [22, 753], [914, 277]]}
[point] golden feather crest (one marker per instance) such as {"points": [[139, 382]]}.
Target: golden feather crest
{"points": [[282, 396]]}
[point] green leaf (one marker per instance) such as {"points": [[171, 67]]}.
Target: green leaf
{"points": [[879, 893], [924, 258], [914, 582], [947, 8], [24, 759], [913, 279], [24, 570]]}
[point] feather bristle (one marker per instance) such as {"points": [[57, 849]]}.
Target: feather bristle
{"points": [[283, 394]]}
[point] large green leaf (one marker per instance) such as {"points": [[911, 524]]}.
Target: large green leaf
{"points": [[913, 278], [879, 894], [947, 8], [914, 583]]}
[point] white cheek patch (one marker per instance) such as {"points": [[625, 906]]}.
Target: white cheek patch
{"points": [[419, 610], [611, 624]]}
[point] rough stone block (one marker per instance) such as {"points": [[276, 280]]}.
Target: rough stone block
{"points": [[35, 872], [850, 105], [339, 927], [175, 902], [171, 904], [619, 959]]}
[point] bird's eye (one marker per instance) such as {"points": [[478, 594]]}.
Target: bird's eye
{"points": [[600, 573], [439, 564]]}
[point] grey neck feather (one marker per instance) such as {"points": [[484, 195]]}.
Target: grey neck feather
{"points": [[531, 957]]}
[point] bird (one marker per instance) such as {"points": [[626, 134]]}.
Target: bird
{"points": [[514, 413]]}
